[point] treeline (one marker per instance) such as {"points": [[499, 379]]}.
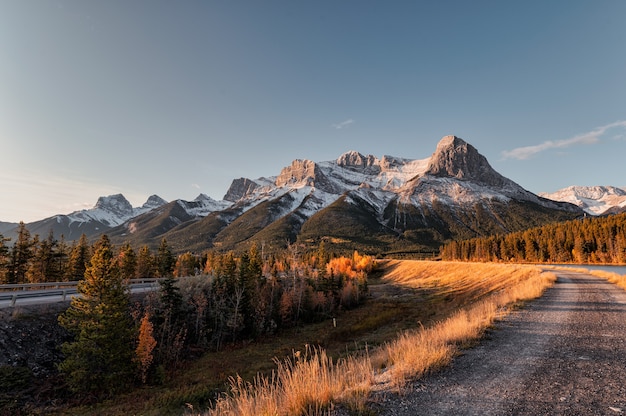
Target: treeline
{"points": [[589, 240], [241, 296], [30, 259], [225, 298]]}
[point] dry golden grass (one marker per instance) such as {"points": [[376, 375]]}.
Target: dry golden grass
{"points": [[312, 383], [307, 384], [615, 278], [486, 289]]}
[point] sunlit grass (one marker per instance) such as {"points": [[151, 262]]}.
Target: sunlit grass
{"points": [[612, 277], [615, 278], [474, 294], [307, 384]]}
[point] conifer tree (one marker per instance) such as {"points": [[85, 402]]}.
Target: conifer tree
{"points": [[128, 262], [170, 321], [60, 258], [21, 255], [78, 259], [145, 264], [187, 264], [99, 361], [165, 260], [47, 260], [4, 259]]}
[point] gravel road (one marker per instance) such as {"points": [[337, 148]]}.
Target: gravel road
{"points": [[563, 354]]}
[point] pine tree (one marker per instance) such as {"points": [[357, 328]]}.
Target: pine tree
{"points": [[187, 264], [47, 260], [21, 255], [60, 258], [78, 259], [170, 321], [4, 259], [128, 262], [99, 361], [165, 260], [145, 264]]}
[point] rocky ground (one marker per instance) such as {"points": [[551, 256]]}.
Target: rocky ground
{"points": [[30, 336], [30, 340]]}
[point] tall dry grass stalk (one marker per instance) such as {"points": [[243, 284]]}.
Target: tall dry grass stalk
{"points": [[612, 277], [310, 383], [615, 278], [415, 353]]}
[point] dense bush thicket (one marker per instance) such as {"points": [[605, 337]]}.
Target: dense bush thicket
{"points": [[205, 301], [590, 240], [241, 296]]}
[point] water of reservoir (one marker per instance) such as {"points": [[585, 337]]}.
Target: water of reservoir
{"points": [[604, 267]]}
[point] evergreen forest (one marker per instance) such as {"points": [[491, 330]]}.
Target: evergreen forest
{"points": [[588, 240], [205, 302]]}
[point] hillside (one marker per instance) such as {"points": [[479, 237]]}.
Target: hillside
{"points": [[381, 206]]}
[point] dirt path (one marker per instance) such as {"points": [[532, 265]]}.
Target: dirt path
{"points": [[564, 354]]}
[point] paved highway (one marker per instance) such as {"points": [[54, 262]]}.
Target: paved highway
{"points": [[60, 293]]}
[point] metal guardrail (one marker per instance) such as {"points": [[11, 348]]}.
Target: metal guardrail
{"points": [[35, 286], [59, 285], [13, 292], [14, 296]]}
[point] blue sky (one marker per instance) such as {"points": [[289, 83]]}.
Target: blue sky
{"points": [[179, 98]]}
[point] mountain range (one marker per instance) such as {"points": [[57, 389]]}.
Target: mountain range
{"points": [[386, 205], [595, 200]]}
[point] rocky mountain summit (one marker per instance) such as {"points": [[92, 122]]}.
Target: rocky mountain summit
{"points": [[454, 158], [382, 204], [387, 204]]}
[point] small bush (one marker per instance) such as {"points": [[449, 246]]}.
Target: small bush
{"points": [[14, 378]]}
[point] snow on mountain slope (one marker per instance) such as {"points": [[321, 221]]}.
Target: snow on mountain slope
{"points": [[594, 200], [316, 185], [114, 210], [455, 174], [203, 205], [110, 210], [447, 186]]}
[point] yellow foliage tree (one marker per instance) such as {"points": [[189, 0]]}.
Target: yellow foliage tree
{"points": [[145, 345]]}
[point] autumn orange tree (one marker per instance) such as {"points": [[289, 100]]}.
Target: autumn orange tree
{"points": [[145, 346]]}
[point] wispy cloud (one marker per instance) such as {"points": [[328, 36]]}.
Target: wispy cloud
{"points": [[591, 137], [343, 124]]}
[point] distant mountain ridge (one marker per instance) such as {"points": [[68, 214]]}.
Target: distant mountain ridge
{"points": [[381, 205], [108, 212], [595, 200], [387, 204]]}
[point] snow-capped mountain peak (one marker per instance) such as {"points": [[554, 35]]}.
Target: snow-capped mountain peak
{"points": [[595, 200], [115, 204], [153, 201], [456, 173], [455, 191], [458, 159], [203, 205]]}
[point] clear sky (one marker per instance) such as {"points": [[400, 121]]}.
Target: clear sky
{"points": [[178, 98]]}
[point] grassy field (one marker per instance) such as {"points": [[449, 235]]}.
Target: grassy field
{"points": [[419, 315]]}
